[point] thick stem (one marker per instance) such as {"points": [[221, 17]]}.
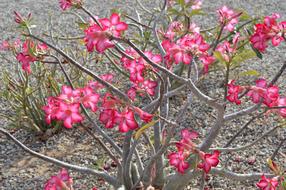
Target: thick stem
{"points": [[226, 80], [126, 162], [214, 131]]}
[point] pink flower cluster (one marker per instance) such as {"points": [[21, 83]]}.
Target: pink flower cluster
{"points": [[228, 49], [60, 181], [184, 149], [270, 29], [268, 183], [260, 93], [66, 107], [30, 52], [98, 37], [186, 48], [138, 70], [233, 92], [110, 114], [228, 18]]}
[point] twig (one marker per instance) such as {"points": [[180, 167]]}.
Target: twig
{"points": [[137, 22], [143, 8], [154, 29], [248, 145], [278, 148], [103, 175], [238, 177], [242, 129]]}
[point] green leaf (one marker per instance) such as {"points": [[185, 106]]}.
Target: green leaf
{"points": [[249, 73], [283, 183], [258, 54], [196, 12], [244, 16], [144, 128], [243, 56], [181, 2], [83, 25], [174, 11], [219, 57]]}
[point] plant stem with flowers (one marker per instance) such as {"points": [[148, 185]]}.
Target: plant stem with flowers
{"points": [[137, 101]]}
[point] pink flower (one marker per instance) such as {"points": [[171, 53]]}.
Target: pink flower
{"points": [[185, 48], [228, 17], [107, 117], [60, 181], [271, 96], [136, 71], [4, 45], [96, 85], [131, 93], [282, 102], [126, 120], [206, 60], [29, 54], [25, 60], [209, 161], [267, 184], [114, 24], [176, 53], [228, 49], [233, 92], [177, 159], [186, 142], [144, 116], [268, 30], [149, 86], [51, 109], [173, 28], [69, 95], [20, 20], [194, 28], [257, 92], [98, 37], [89, 99], [69, 114], [197, 4], [66, 4]]}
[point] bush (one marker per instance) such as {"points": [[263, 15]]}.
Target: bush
{"points": [[168, 56]]}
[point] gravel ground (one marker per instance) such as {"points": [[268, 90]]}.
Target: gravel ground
{"points": [[19, 171]]}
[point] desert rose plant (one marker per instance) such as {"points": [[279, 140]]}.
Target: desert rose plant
{"points": [[149, 63]]}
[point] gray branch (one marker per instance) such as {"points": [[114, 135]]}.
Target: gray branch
{"points": [[111, 180]]}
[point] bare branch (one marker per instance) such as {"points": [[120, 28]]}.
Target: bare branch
{"points": [[248, 145], [238, 177], [154, 29], [85, 170], [278, 148], [242, 129]]}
